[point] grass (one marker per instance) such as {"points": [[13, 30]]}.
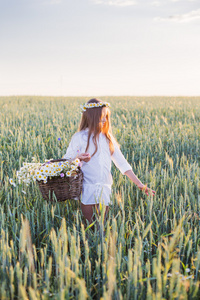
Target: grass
{"points": [[151, 248]]}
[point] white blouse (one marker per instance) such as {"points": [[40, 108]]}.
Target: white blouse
{"points": [[97, 180]]}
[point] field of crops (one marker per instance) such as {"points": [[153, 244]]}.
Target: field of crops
{"points": [[151, 248]]}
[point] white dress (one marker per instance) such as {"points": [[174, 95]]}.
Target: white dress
{"points": [[97, 180]]}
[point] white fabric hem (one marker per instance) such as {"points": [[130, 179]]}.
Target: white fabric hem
{"points": [[106, 204], [123, 172]]}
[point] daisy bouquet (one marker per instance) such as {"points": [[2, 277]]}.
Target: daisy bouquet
{"points": [[31, 172], [61, 178]]}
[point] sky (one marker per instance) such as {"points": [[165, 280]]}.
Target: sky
{"points": [[100, 47]]}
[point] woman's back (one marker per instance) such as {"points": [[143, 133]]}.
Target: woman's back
{"points": [[97, 170]]}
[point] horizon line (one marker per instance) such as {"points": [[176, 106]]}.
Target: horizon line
{"points": [[153, 95]]}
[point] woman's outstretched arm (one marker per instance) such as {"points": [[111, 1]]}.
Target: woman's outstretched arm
{"points": [[140, 185]]}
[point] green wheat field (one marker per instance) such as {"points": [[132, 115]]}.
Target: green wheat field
{"points": [[151, 248]]}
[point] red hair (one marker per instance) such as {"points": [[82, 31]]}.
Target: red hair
{"points": [[91, 119]]}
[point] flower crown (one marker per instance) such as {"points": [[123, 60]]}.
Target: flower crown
{"points": [[91, 105]]}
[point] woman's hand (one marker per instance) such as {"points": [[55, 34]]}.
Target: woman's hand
{"points": [[140, 185], [147, 190], [84, 157]]}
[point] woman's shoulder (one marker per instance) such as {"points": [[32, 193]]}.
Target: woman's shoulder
{"points": [[114, 141], [80, 134]]}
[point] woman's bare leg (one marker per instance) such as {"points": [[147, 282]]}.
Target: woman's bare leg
{"points": [[88, 211]]}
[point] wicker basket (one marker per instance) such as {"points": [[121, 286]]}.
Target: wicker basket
{"points": [[61, 189]]}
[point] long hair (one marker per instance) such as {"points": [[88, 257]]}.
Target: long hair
{"points": [[91, 119]]}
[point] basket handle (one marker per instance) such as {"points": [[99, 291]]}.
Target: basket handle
{"points": [[55, 160]]}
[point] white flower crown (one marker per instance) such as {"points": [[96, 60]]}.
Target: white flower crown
{"points": [[91, 105]]}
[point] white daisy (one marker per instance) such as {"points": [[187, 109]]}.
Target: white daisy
{"points": [[76, 161], [40, 177], [12, 182], [73, 167], [68, 174]]}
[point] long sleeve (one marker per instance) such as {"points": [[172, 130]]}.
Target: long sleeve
{"points": [[120, 161], [73, 147]]}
